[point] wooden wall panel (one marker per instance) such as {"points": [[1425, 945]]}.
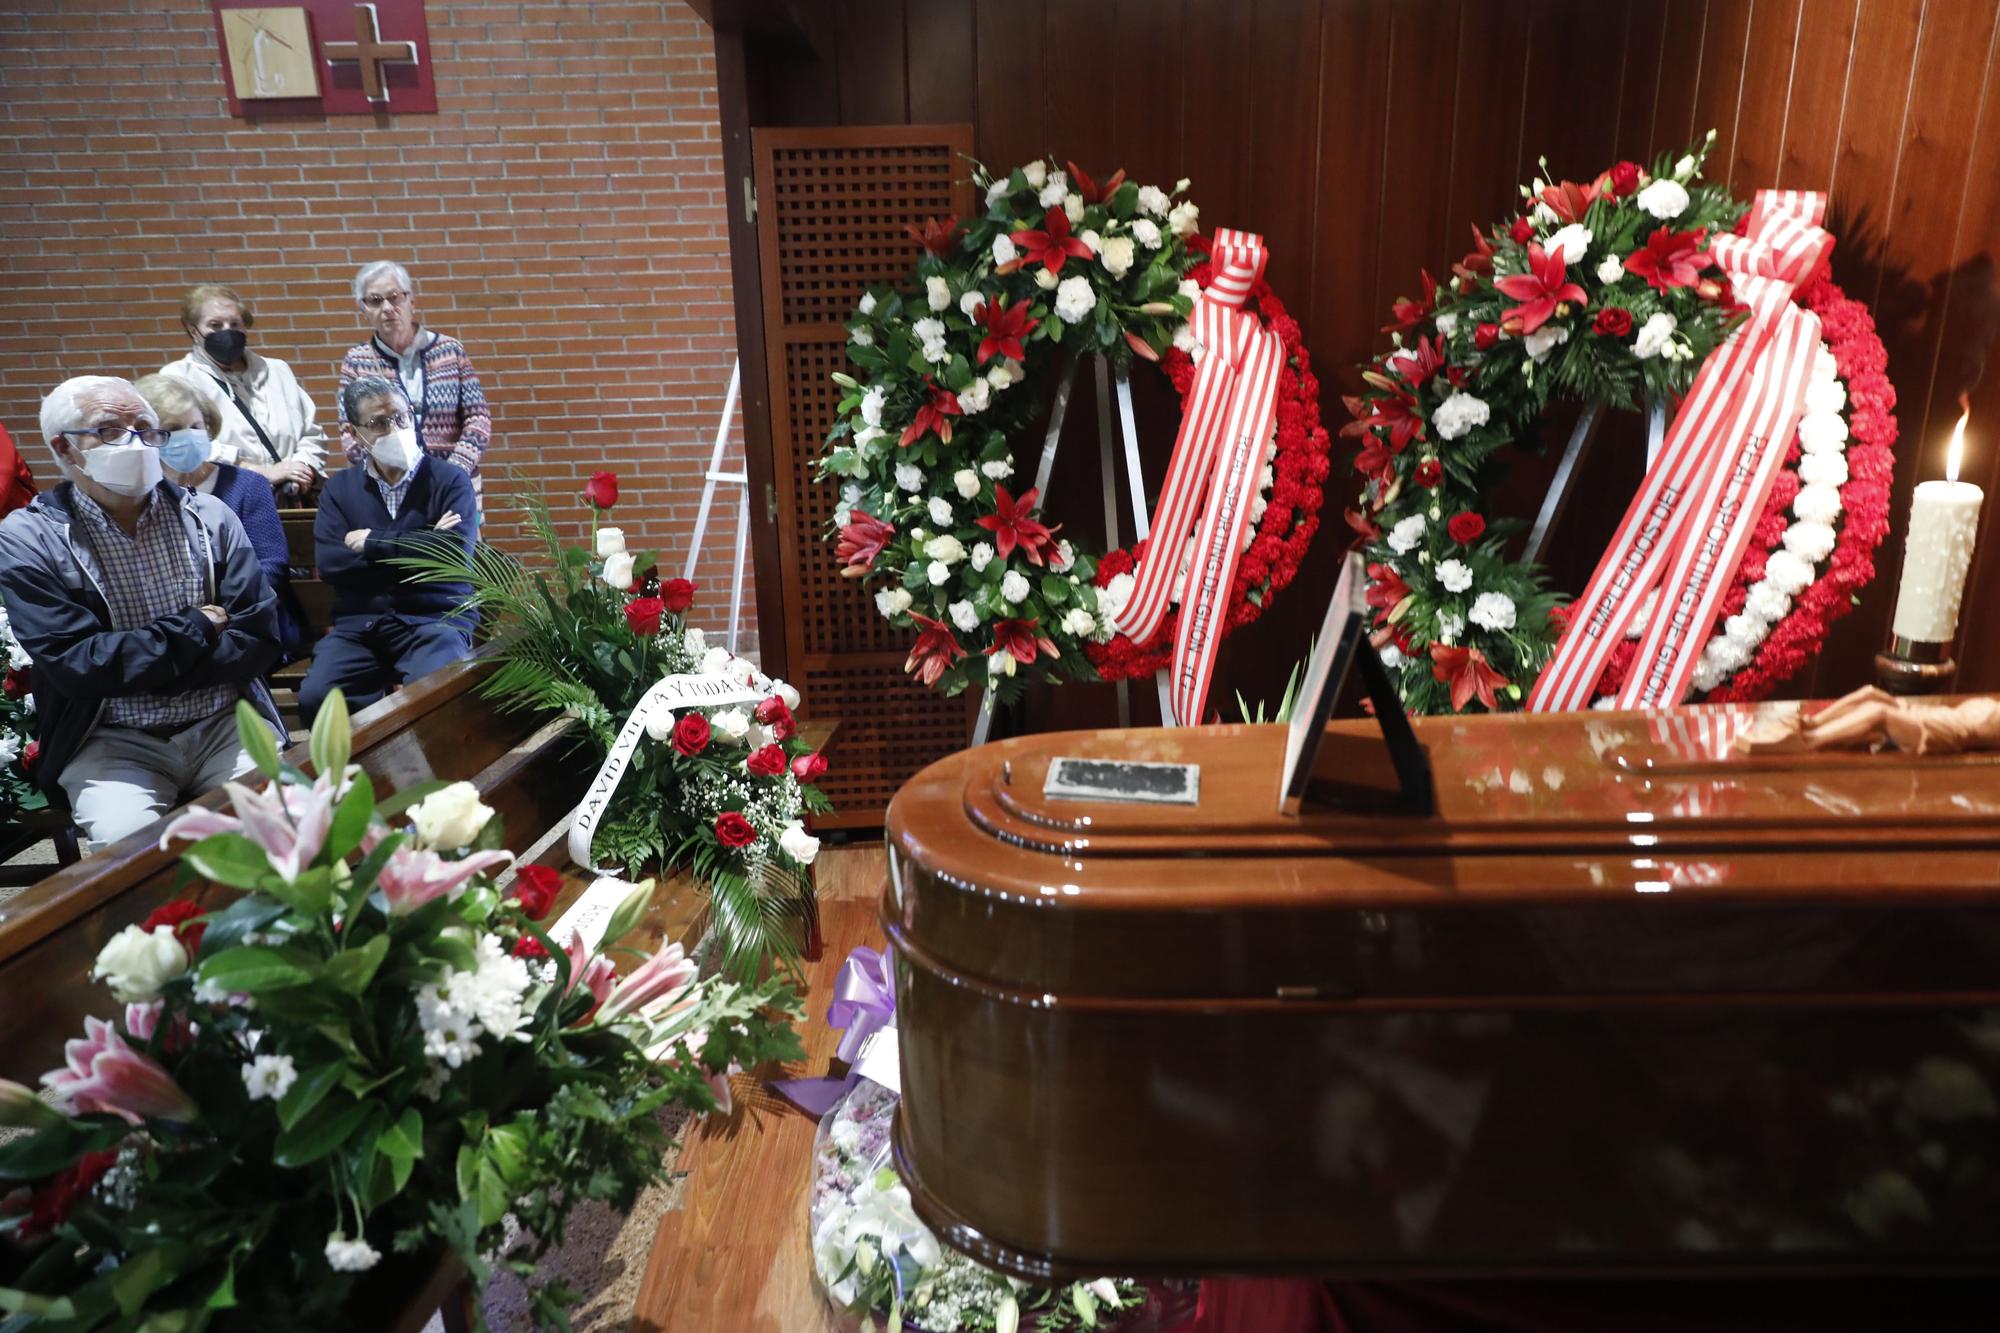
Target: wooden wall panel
{"points": [[1363, 136]]}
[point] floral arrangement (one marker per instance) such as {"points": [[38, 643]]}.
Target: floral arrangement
{"points": [[874, 1257], [931, 506], [1599, 292], [722, 792], [372, 1050], [18, 746]]}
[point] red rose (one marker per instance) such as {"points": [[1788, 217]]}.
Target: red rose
{"points": [[1429, 472], [643, 615], [1614, 321], [31, 754], [1485, 336], [182, 916], [1624, 179], [49, 1205], [601, 491], [18, 682], [767, 761], [679, 595], [733, 830], [536, 887], [773, 714], [1522, 230], [691, 734], [809, 767], [1465, 528], [529, 947]]}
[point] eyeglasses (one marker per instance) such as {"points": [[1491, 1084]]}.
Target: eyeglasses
{"points": [[390, 299], [116, 434], [393, 422]]}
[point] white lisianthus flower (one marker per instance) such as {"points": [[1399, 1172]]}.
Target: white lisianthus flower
{"points": [[867, 303], [930, 332], [982, 556], [1492, 611], [909, 477], [1403, 538], [269, 1077], [451, 817], [1075, 298], [1153, 200], [1455, 575], [618, 571], [1045, 280], [1014, 587], [1073, 208], [660, 724], [862, 337], [968, 304], [975, 398], [1447, 324], [733, 724], [999, 469], [1036, 173], [1052, 194], [939, 573], [963, 616], [937, 293], [1147, 233], [1117, 256], [946, 548], [1610, 269], [872, 403], [798, 844], [866, 436], [1654, 335], [892, 602], [1571, 242], [350, 1256], [1665, 200], [1545, 340], [1458, 414], [1003, 249], [1079, 622], [1184, 219], [136, 964], [966, 482], [610, 541], [1544, 216]]}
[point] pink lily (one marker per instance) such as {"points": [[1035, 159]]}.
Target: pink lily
{"points": [[105, 1074], [287, 820], [412, 878], [597, 975], [664, 973], [143, 1020]]}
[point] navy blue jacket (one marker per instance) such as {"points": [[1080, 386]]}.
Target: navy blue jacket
{"points": [[249, 498], [62, 620], [367, 585]]}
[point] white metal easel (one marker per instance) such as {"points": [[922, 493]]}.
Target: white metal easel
{"points": [[715, 475]]}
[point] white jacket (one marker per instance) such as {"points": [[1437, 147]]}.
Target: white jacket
{"points": [[272, 394]]}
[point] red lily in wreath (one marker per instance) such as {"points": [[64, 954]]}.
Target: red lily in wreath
{"points": [[1421, 360], [1013, 524], [1049, 246], [934, 415], [1406, 313], [934, 651], [1479, 262], [1671, 259], [1468, 673], [1540, 290], [1089, 189], [860, 542], [936, 235], [1393, 414], [1386, 590], [1022, 641], [1569, 201], [1007, 327]]}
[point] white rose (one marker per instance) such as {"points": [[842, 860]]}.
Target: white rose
{"points": [[1610, 269], [868, 303], [1147, 233], [1075, 298], [892, 602], [733, 724], [975, 398], [1685, 168], [940, 509], [1458, 414], [1003, 249], [872, 403], [1571, 243], [939, 573], [1403, 538], [1118, 255], [1545, 340], [715, 661], [1093, 240], [610, 541], [909, 477], [969, 303], [1665, 200], [962, 615], [1492, 611], [1014, 587], [1447, 324], [999, 469], [1455, 575], [982, 556], [1045, 280], [1184, 219], [784, 690], [862, 337], [1079, 622], [1036, 173], [618, 571], [937, 292], [967, 483], [946, 548], [1073, 208], [798, 844], [1654, 335], [1152, 199], [136, 963], [451, 817], [660, 724]]}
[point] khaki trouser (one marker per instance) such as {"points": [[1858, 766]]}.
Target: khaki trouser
{"points": [[124, 779]]}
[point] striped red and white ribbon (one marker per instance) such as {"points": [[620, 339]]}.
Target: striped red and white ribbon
{"points": [[1212, 478], [1688, 526]]}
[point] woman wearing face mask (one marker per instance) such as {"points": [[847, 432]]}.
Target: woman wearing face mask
{"points": [[446, 401], [261, 410], [192, 458]]}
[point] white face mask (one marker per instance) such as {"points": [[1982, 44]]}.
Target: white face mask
{"points": [[130, 470], [396, 451]]}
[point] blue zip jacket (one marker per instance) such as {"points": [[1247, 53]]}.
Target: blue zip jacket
{"points": [[60, 615], [365, 584]]}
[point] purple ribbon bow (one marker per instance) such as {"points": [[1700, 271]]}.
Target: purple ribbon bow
{"points": [[864, 1002]]}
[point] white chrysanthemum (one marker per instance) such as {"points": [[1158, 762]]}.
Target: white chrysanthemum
{"points": [[1014, 587], [1788, 572], [937, 293], [1003, 249], [999, 469], [909, 477], [1654, 335], [1189, 288], [871, 404], [1810, 542], [982, 556], [1817, 504], [1186, 342], [1825, 396], [1610, 269], [1154, 200], [1571, 243], [269, 1076], [1492, 611], [1822, 433], [1545, 340], [1079, 623], [1664, 199], [892, 602], [1455, 575], [962, 615], [1766, 602], [940, 509], [1458, 414], [1403, 538], [1147, 233], [1114, 597], [1075, 298], [966, 482]]}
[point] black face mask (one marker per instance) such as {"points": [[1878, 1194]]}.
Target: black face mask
{"points": [[224, 346]]}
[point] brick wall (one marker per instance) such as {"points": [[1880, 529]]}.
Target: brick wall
{"points": [[563, 215]]}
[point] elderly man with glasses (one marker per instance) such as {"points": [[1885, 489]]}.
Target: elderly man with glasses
{"points": [[146, 614], [388, 626]]}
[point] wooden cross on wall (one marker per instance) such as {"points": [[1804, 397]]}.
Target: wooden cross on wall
{"points": [[371, 52]]}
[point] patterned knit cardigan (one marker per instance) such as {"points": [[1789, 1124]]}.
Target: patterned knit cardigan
{"points": [[456, 426]]}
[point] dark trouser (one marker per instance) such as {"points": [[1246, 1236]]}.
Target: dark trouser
{"points": [[363, 656]]}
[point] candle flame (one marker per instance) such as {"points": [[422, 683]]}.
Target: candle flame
{"points": [[1957, 447]]}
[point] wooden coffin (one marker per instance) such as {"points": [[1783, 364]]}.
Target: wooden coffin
{"points": [[1626, 1003]]}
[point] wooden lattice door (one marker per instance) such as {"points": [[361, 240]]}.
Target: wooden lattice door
{"points": [[832, 204]]}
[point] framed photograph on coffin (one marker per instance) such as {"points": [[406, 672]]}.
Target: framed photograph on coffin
{"points": [[1388, 772]]}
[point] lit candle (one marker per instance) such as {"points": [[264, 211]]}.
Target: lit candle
{"points": [[1944, 522]]}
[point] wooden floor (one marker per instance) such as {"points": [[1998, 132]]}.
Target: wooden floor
{"points": [[734, 1256]]}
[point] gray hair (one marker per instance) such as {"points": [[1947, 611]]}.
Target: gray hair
{"points": [[63, 409], [381, 268], [358, 391]]}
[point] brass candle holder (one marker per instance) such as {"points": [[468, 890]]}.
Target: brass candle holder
{"points": [[1913, 667]]}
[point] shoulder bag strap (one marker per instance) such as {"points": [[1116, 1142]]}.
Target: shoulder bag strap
{"points": [[262, 438]]}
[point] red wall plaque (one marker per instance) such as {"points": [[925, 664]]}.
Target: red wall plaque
{"points": [[344, 57]]}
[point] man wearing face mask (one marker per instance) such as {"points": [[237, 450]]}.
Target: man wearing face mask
{"points": [[388, 628], [261, 411], [145, 612]]}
